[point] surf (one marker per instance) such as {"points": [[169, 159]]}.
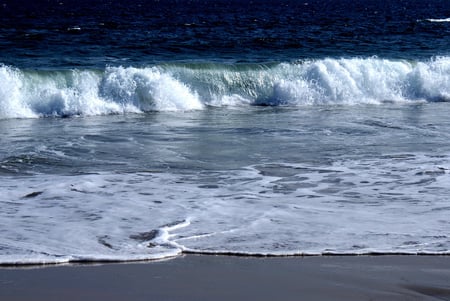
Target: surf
{"points": [[196, 86]]}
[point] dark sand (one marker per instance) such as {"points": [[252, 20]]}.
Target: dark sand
{"points": [[195, 277]]}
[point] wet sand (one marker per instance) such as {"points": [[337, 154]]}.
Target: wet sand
{"points": [[197, 277]]}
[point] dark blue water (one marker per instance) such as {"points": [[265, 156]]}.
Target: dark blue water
{"points": [[68, 34]]}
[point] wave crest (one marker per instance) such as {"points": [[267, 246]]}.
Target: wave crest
{"points": [[180, 87], [438, 20]]}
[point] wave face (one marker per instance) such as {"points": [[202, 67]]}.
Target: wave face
{"points": [[181, 87]]}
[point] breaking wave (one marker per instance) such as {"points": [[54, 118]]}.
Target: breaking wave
{"points": [[194, 86]]}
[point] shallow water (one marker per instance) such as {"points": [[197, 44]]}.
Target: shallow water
{"points": [[339, 179]]}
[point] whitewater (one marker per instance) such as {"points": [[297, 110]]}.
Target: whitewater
{"points": [[195, 86], [252, 180]]}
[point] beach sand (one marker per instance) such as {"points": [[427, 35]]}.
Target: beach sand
{"points": [[197, 277]]}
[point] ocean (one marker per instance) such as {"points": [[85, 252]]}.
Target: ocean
{"points": [[150, 129]]}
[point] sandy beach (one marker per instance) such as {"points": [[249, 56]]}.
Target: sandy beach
{"points": [[196, 277]]}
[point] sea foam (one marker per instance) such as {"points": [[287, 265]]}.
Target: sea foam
{"points": [[181, 87], [349, 207]]}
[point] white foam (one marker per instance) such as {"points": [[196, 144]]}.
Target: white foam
{"points": [[148, 89], [438, 20], [77, 92], [386, 205], [12, 102]]}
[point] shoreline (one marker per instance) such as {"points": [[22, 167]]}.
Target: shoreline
{"points": [[94, 262], [217, 277]]}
